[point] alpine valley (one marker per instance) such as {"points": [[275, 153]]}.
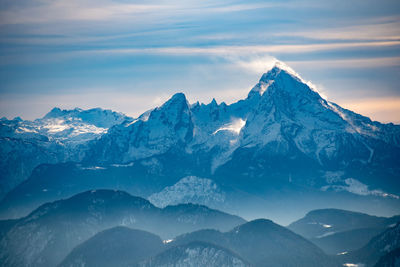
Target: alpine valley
{"points": [[75, 181]]}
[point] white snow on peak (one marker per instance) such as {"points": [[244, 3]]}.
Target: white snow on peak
{"points": [[66, 127], [75, 127], [268, 78], [26, 130], [283, 66], [190, 189], [235, 126]]}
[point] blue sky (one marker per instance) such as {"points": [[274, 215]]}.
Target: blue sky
{"points": [[130, 56]]}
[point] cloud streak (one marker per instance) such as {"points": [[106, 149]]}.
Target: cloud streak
{"points": [[224, 51], [119, 46]]}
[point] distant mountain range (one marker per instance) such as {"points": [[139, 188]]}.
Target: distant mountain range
{"points": [[340, 231], [195, 254], [118, 246], [263, 243], [381, 249], [57, 137], [113, 228], [282, 146], [49, 233]]}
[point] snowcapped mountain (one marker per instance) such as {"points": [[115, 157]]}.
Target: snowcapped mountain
{"points": [[284, 138], [282, 116], [72, 127], [167, 126], [282, 126], [98, 117], [59, 136]]}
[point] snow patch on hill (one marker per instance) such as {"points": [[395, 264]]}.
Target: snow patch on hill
{"points": [[190, 189], [356, 187]]}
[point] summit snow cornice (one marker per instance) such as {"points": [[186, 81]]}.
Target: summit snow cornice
{"points": [[278, 71]]}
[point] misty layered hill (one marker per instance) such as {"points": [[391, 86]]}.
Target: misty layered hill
{"points": [[377, 247], [256, 243], [195, 254], [118, 246], [340, 231], [48, 234], [282, 146], [263, 243], [122, 246]]}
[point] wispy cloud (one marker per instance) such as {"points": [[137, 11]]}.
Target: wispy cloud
{"points": [[90, 10], [348, 63], [64, 45], [224, 50], [254, 57], [73, 10], [378, 31]]}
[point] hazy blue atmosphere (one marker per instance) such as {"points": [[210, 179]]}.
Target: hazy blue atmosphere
{"points": [[199, 133], [129, 56]]}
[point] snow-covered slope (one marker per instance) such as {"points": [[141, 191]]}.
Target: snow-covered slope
{"points": [[77, 126], [282, 108], [283, 117], [59, 136], [152, 134], [190, 189]]}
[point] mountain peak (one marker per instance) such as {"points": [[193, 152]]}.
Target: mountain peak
{"points": [[174, 107], [54, 112], [279, 67], [178, 97], [282, 74]]}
